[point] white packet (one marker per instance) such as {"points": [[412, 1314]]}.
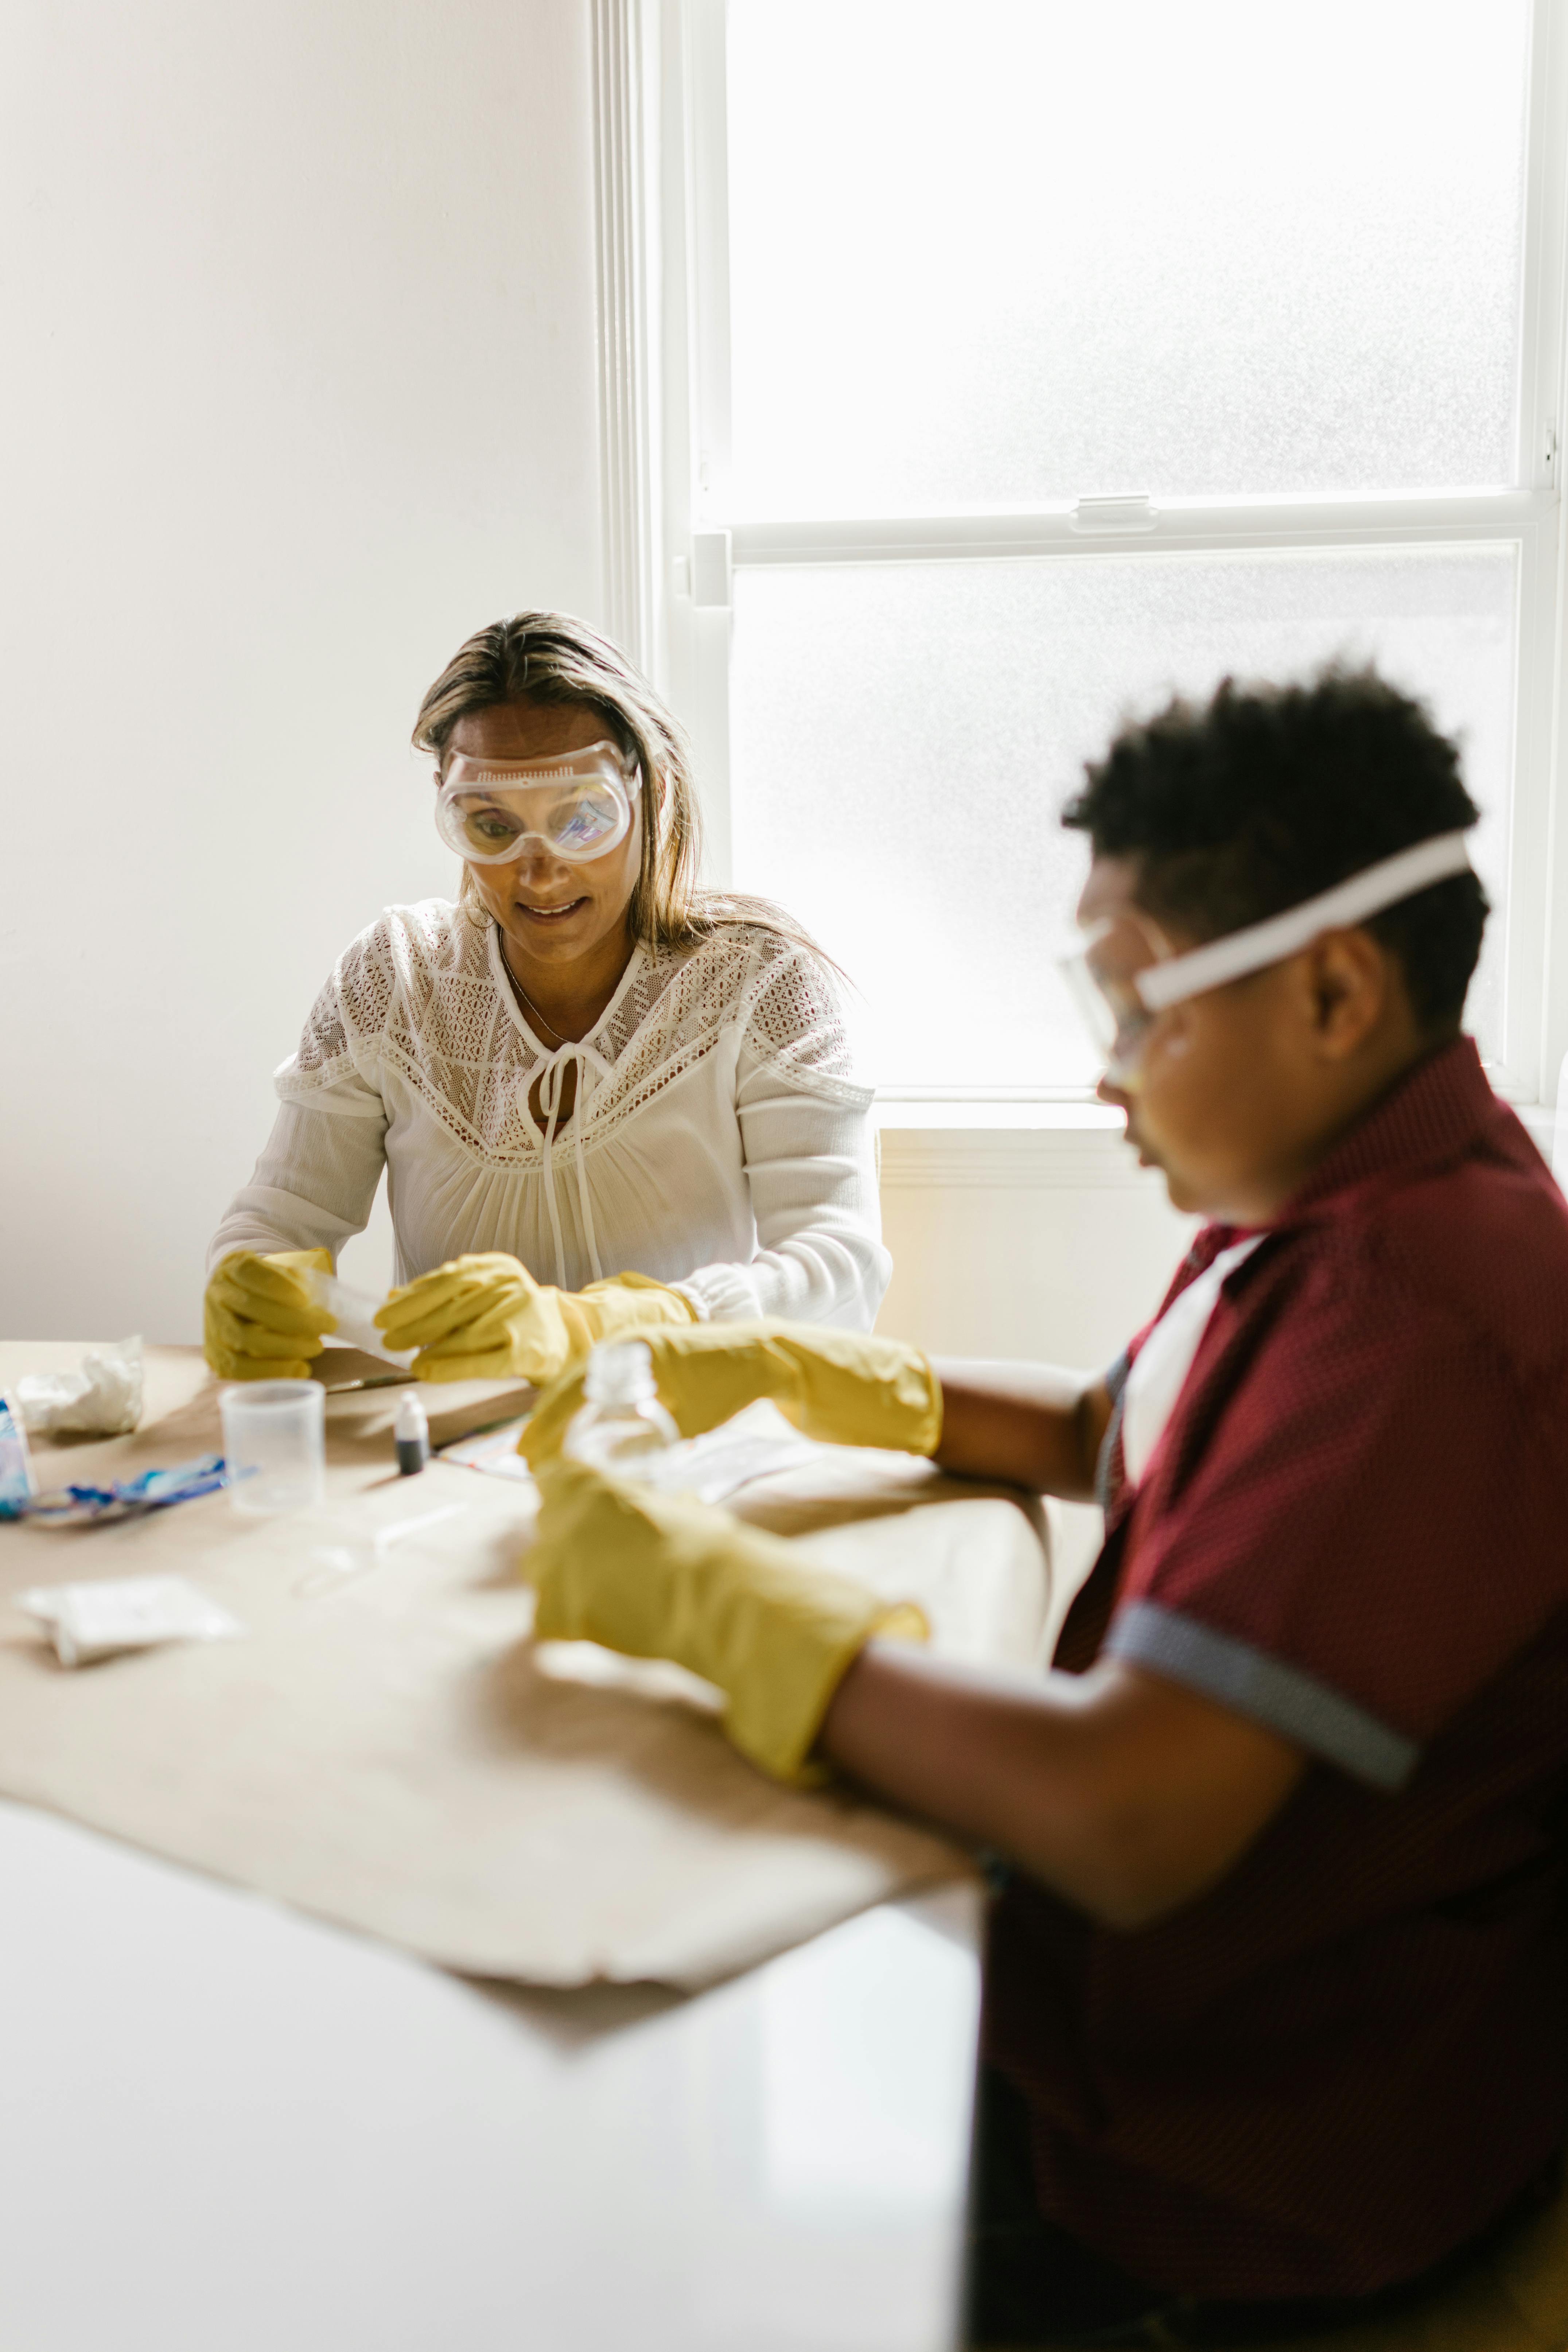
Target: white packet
{"points": [[102, 1399], [757, 1443], [353, 1318], [87, 1621]]}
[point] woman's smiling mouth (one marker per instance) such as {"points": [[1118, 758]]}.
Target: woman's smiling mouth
{"points": [[549, 914]]}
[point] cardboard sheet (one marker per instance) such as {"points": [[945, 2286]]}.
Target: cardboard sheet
{"points": [[388, 1749]]}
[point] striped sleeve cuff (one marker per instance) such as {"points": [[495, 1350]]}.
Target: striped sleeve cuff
{"points": [[1289, 1700], [1106, 1461]]}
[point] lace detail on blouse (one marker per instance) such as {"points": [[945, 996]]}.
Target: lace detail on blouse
{"points": [[419, 990]]}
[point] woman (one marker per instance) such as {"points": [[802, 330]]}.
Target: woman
{"points": [[603, 1099]]}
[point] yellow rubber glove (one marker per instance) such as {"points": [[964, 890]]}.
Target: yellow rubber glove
{"points": [[843, 1386], [663, 1576], [485, 1318], [259, 1320]]}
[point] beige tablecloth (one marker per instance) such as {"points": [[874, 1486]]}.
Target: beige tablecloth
{"points": [[389, 1750]]}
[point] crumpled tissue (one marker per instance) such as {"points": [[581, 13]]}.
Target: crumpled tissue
{"points": [[102, 1399]]}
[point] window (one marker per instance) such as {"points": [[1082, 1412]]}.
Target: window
{"points": [[1027, 364]]}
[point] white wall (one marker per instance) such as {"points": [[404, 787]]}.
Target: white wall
{"points": [[1063, 1274], [1008, 1242], [301, 388]]}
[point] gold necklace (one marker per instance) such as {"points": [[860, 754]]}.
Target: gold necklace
{"points": [[527, 1001]]}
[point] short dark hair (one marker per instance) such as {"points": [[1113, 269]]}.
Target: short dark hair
{"points": [[1267, 794]]}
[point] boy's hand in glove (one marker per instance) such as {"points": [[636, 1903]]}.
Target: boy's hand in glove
{"points": [[663, 1576], [845, 1386]]}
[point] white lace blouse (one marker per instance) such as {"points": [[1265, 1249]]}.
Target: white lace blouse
{"points": [[719, 1142]]}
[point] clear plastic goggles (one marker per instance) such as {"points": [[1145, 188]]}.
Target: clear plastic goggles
{"points": [[574, 805], [1103, 979], [1127, 973]]}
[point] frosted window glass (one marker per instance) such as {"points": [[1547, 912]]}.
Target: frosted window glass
{"points": [[903, 737], [1032, 250]]}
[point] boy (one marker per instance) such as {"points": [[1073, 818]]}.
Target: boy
{"points": [[1275, 2027]]}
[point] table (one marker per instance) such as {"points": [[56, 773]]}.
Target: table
{"points": [[230, 2129], [233, 2126], [388, 1749]]}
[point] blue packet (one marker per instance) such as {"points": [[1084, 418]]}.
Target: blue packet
{"points": [[154, 1490]]}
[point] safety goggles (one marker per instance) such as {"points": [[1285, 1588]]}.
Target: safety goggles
{"points": [[1127, 972], [574, 805]]}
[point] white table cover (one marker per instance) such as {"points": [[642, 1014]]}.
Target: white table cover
{"points": [[392, 1752]]}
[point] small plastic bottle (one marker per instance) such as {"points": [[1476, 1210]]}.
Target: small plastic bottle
{"points": [[622, 1428], [411, 1434]]}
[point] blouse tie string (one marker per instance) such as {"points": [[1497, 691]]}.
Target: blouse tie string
{"points": [[590, 1066]]}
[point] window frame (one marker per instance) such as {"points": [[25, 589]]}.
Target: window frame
{"points": [[694, 540]]}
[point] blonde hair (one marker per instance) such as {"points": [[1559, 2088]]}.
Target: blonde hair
{"points": [[551, 658]]}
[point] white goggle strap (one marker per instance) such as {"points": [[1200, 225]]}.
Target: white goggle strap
{"points": [[1367, 893]]}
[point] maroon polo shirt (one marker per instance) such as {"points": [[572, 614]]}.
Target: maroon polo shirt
{"points": [[1345, 2059]]}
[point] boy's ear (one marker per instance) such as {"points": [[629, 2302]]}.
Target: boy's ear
{"points": [[1352, 978]]}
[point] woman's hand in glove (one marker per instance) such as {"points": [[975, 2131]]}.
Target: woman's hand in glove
{"points": [[662, 1576], [845, 1386], [261, 1320], [484, 1318]]}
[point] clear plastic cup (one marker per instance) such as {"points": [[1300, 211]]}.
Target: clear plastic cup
{"points": [[275, 1444]]}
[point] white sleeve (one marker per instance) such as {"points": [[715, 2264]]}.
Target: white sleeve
{"points": [[313, 1187], [811, 1164]]}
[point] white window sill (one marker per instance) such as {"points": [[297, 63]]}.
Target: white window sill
{"points": [[932, 1112], [1019, 1141], [1011, 1143]]}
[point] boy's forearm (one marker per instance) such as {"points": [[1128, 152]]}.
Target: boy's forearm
{"points": [[1126, 1794], [1035, 1426], [981, 1756]]}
